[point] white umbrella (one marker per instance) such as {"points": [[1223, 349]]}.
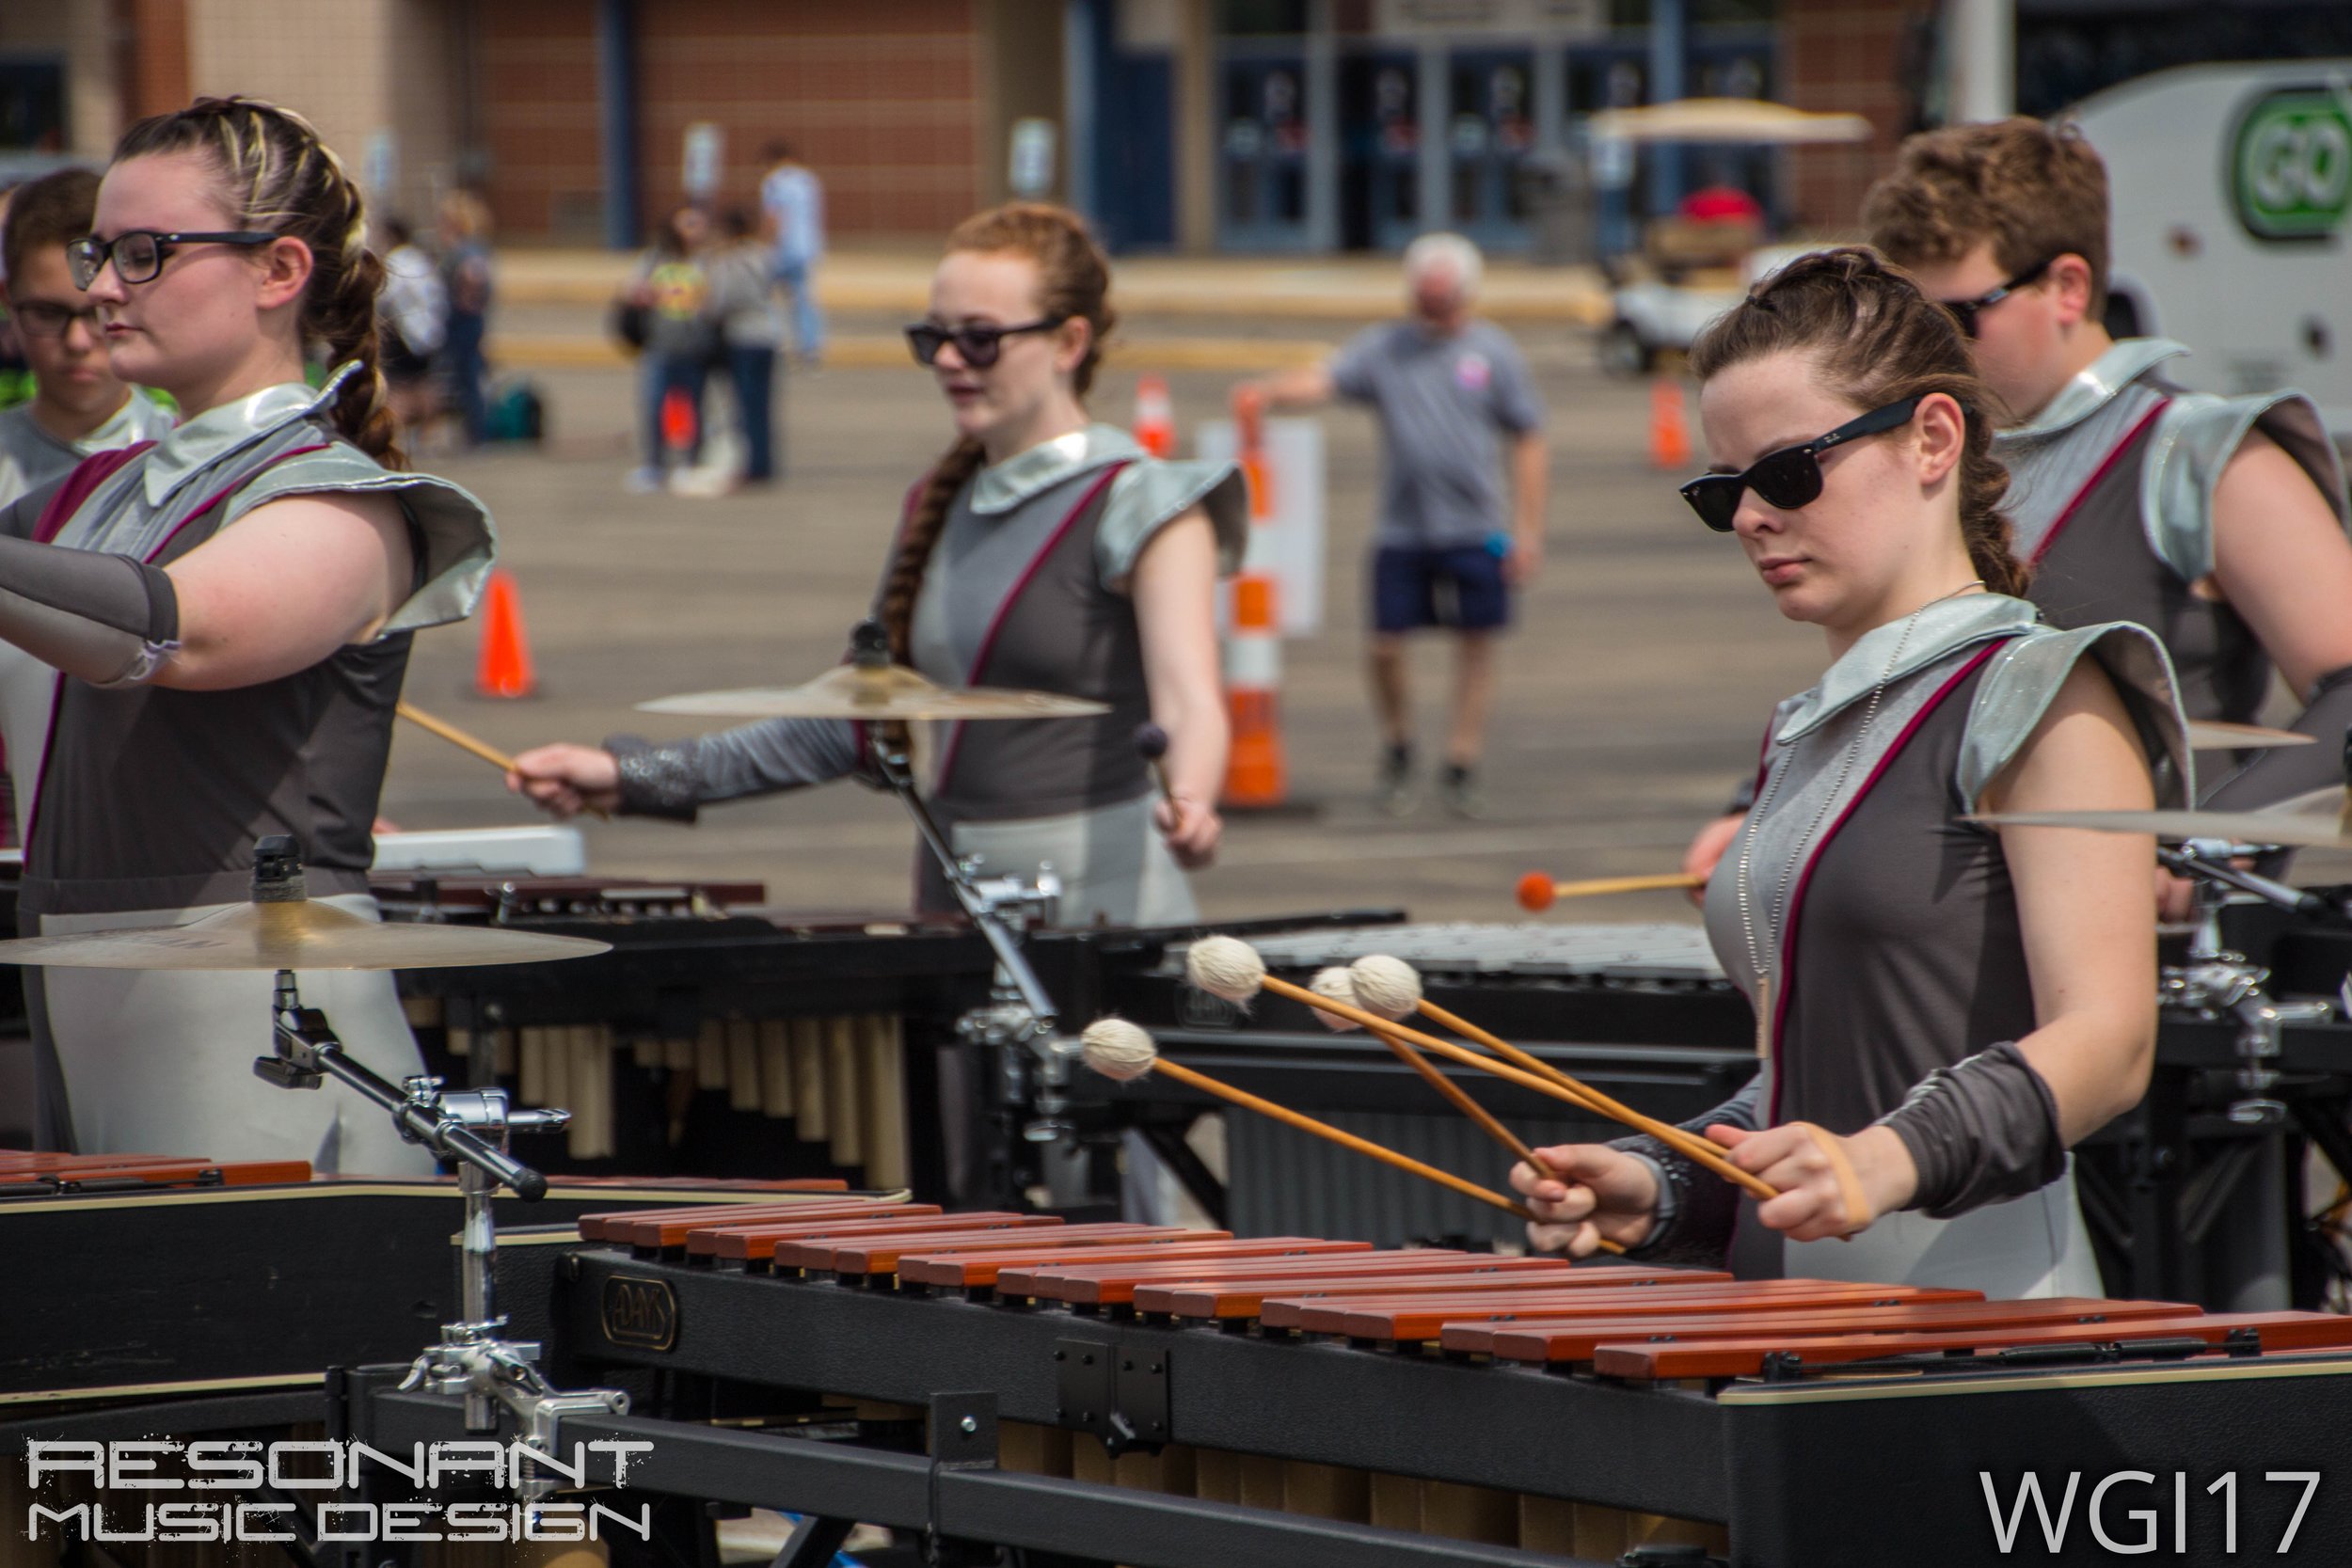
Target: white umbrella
{"points": [[1727, 120]]}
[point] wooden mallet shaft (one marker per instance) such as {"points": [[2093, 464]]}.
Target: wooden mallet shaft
{"points": [[1289, 1117], [1681, 1139], [468, 743], [1538, 891], [1582, 1096]]}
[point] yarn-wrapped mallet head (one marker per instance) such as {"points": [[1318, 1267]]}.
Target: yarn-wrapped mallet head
{"points": [[1118, 1049], [1225, 967], [1385, 985], [1337, 985]]}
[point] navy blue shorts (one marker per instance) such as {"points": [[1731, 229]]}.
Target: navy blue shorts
{"points": [[1459, 586]]}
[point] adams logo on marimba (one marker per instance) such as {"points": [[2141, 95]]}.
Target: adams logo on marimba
{"points": [[640, 1312]]}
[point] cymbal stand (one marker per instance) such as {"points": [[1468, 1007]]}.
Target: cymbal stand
{"points": [[2216, 980], [1019, 1012], [469, 1126]]}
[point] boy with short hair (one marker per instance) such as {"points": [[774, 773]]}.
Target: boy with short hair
{"points": [[78, 408], [2216, 522]]}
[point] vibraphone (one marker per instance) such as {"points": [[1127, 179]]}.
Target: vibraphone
{"points": [[1152, 1395], [824, 1026]]}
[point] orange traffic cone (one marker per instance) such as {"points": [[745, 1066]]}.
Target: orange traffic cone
{"points": [[504, 667], [1669, 432], [1155, 417], [1254, 775]]}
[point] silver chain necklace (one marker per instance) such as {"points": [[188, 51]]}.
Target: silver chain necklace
{"points": [[1744, 871]]}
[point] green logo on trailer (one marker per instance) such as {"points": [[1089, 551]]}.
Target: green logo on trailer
{"points": [[2291, 165]]}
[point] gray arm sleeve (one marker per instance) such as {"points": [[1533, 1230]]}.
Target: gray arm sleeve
{"points": [[105, 618], [761, 758], [2284, 771], [1696, 1206], [1979, 1131]]}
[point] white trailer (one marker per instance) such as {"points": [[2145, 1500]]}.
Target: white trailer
{"points": [[2231, 187]]}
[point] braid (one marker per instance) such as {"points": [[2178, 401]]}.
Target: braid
{"points": [[275, 174], [917, 541]]}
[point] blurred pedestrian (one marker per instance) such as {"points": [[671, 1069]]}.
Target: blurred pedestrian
{"points": [[414, 323], [672, 287], [743, 302], [78, 407], [1450, 390], [466, 281], [794, 202]]}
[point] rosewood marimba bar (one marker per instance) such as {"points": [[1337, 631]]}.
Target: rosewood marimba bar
{"points": [[1570, 1413]]}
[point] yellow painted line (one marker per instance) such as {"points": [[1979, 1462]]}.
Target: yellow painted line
{"points": [[576, 350]]}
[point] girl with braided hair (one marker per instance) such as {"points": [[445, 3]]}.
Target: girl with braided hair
{"points": [[203, 638], [1944, 1008], [1042, 551]]}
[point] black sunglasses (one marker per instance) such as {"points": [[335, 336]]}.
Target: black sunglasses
{"points": [[1966, 311], [138, 256], [979, 345], [1789, 478]]}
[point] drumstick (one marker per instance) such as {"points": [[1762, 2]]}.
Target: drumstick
{"points": [[1231, 969], [1537, 890], [465, 742], [1119, 1050]]}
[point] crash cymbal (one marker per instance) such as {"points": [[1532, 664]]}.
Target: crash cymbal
{"points": [[889, 691], [295, 934], [2214, 735], [2312, 821]]}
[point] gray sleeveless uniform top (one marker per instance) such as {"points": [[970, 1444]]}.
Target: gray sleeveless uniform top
{"points": [[1025, 588], [2111, 491], [1889, 930], [149, 798]]}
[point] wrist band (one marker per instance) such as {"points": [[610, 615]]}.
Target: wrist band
{"points": [[1980, 1131]]}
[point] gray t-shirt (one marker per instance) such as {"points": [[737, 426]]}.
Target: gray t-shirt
{"points": [[1444, 403], [31, 458]]}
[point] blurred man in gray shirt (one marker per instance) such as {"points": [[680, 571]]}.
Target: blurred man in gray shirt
{"points": [[79, 408], [1452, 394]]}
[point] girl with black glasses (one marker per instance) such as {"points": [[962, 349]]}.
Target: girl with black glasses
{"points": [[205, 636], [1042, 551], [1943, 1009]]}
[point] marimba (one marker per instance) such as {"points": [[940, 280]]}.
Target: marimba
{"points": [[1361, 1404]]}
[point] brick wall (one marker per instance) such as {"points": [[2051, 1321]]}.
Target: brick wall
{"points": [[884, 100], [1845, 57]]}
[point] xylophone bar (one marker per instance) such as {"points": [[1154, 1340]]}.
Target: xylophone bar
{"points": [[875, 1256], [1233, 1300], [1115, 1285], [667, 1230], [759, 1247], [951, 1269], [1417, 1321], [1283, 1308], [2265, 1332], [1559, 1341]]}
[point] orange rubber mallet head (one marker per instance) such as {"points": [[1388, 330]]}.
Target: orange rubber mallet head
{"points": [[1535, 892]]}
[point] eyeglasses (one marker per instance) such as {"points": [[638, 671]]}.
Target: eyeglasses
{"points": [[979, 345], [1789, 478], [138, 256], [1967, 311], [37, 318]]}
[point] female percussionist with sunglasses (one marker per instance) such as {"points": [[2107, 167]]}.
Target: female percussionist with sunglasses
{"points": [[205, 636], [1042, 551], [1943, 1009]]}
